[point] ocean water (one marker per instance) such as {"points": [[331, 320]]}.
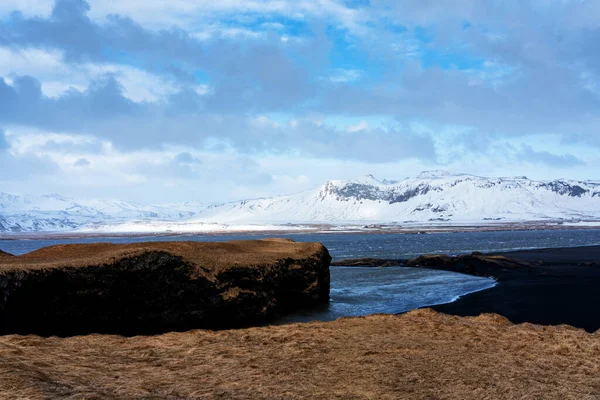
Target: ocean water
{"points": [[358, 245], [357, 291], [361, 291]]}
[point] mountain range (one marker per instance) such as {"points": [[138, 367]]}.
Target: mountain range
{"points": [[433, 197], [53, 212]]}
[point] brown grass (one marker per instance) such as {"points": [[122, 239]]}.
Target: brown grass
{"points": [[213, 255], [4, 254], [420, 355]]}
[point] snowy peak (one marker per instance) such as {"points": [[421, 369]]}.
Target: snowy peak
{"points": [[431, 197], [367, 180]]}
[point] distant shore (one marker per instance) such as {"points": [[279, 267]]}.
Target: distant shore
{"points": [[274, 230]]}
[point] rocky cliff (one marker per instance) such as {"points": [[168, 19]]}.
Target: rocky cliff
{"points": [[158, 287]]}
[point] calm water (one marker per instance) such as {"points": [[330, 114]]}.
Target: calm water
{"points": [[362, 291], [391, 290]]}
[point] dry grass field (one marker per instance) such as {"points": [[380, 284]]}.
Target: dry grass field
{"points": [[420, 355], [216, 256]]}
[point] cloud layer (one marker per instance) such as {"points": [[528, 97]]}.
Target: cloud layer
{"points": [[260, 97]]}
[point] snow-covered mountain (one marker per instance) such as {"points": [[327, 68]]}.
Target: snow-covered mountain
{"points": [[433, 196], [54, 212]]}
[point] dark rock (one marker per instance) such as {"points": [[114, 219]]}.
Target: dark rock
{"points": [[5, 254], [357, 191], [564, 188], [421, 189], [473, 264], [157, 287], [367, 262]]}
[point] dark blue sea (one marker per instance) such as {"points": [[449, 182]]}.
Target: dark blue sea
{"points": [[362, 291]]}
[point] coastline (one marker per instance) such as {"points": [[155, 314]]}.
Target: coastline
{"points": [[557, 292], [418, 354], [547, 286], [560, 287], [350, 228]]}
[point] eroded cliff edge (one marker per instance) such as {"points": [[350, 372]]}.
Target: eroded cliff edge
{"points": [[144, 288]]}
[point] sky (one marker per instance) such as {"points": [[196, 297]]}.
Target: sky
{"points": [[161, 101]]}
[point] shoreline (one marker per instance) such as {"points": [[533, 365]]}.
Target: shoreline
{"points": [[562, 290], [375, 229], [546, 286], [425, 352], [560, 287]]}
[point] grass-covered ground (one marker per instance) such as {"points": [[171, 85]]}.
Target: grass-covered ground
{"points": [[421, 355]]}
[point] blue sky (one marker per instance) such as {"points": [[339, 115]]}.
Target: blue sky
{"points": [[172, 100]]}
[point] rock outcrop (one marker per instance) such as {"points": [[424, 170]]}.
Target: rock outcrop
{"points": [[367, 262], [473, 264], [477, 264], [158, 287]]}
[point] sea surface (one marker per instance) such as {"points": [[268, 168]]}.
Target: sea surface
{"points": [[357, 291], [361, 291]]}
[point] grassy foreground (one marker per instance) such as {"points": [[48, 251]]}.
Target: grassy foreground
{"points": [[421, 354]]}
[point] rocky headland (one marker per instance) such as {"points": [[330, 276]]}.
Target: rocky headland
{"points": [[157, 287], [477, 264], [473, 264]]}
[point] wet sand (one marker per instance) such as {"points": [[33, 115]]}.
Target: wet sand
{"points": [[561, 287]]}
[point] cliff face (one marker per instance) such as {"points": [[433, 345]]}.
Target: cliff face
{"points": [[159, 287]]}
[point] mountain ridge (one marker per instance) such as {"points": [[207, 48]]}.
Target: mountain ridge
{"points": [[431, 197], [55, 212]]}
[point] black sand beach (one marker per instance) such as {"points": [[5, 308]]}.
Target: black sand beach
{"points": [[561, 287]]}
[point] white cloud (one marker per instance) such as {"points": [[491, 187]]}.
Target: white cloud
{"points": [[167, 174], [272, 26], [263, 121], [342, 75], [190, 14], [209, 31], [56, 76], [27, 7], [32, 62], [362, 125], [25, 140], [341, 119]]}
